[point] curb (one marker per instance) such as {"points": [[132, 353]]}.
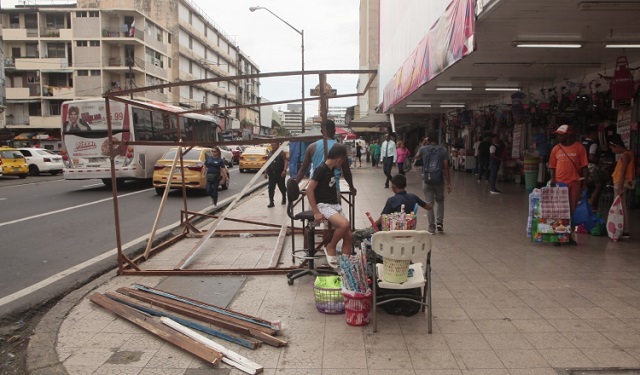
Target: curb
{"points": [[42, 356]]}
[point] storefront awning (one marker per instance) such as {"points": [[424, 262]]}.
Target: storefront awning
{"points": [[370, 121]]}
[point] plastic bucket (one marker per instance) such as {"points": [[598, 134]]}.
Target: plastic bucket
{"points": [[530, 173], [395, 271], [357, 307]]}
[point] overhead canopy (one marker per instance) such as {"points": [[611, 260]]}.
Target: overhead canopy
{"points": [[372, 120]]}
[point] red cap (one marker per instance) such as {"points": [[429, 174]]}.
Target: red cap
{"points": [[563, 129]]}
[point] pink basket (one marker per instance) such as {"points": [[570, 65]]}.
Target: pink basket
{"points": [[357, 308]]}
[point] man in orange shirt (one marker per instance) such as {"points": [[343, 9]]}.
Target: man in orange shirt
{"points": [[568, 164]]}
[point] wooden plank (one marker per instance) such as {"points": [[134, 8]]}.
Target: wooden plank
{"points": [[277, 251], [208, 306], [160, 330], [230, 357], [165, 302], [136, 304], [211, 272], [203, 316]]}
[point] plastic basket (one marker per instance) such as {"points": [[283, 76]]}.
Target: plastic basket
{"points": [[328, 294], [357, 306], [395, 271]]}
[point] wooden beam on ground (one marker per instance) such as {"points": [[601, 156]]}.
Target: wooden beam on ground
{"points": [[230, 357], [253, 232], [136, 304], [158, 329], [277, 251], [208, 306], [211, 272], [193, 231], [205, 316]]}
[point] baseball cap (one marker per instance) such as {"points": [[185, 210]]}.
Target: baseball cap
{"points": [[616, 140], [563, 129]]}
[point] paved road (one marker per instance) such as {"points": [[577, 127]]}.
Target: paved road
{"points": [[48, 225]]}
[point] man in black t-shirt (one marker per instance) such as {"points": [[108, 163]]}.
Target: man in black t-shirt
{"points": [[276, 172], [325, 202]]}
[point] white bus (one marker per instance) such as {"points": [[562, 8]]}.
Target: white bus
{"points": [[86, 148]]}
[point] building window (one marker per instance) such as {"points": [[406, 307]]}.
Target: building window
{"points": [[190, 42], [159, 34], [94, 43], [81, 43], [95, 73], [190, 92], [190, 18], [54, 108], [55, 21], [83, 73], [94, 13], [56, 50], [169, 38], [81, 14], [190, 67], [169, 62]]}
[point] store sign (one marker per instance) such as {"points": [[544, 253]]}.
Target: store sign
{"points": [[624, 126]]}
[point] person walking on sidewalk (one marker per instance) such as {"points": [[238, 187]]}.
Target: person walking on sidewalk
{"points": [[495, 158], [568, 164], [358, 155], [484, 158], [216, 171], [388, 157], [324, 200], [374, 149], [435, 175], [402, 154], [476, 153], [314, 156], [276, 172], [623, 177]]}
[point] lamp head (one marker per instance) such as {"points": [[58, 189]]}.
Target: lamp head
{"points": [[253, 9]]}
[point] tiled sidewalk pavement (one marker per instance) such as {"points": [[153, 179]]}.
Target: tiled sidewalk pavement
{"points": [[502, 305]]}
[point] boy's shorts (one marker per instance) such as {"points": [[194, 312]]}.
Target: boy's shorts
{"points": [[328, 209]]}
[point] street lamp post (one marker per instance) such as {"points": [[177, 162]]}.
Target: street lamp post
{"points": [[301, 32]]}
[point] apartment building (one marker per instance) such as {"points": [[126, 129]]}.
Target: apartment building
{"points": [[57, 53]]}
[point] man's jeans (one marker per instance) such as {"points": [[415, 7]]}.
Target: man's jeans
{"points": [[387, 167], [494, 166], [434, 193]]}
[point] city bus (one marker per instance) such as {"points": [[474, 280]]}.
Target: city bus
{"points": [[87, 148]]}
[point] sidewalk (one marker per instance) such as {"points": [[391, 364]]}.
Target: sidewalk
{"points": [[501, 304]]}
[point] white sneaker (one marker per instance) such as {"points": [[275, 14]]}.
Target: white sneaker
{"points": [[495, 191]]}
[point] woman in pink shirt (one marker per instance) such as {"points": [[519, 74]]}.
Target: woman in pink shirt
{"points": [[402, 153]]}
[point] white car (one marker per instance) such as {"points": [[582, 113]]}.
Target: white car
{"points": [[227, 155], [42, 160]]}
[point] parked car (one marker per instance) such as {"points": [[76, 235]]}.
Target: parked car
{"points": [[42, 160], [227, 155], [13, 162], [195, 172], [253, 158], [236, 150]]}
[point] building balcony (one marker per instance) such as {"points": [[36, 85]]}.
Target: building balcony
{"points": [[41, 64], [18, 34], [17, 93], [58, 92]]}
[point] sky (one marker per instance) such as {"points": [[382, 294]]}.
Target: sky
{"points": [[331, 41]]}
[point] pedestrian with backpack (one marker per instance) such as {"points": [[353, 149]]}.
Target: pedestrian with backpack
{"points": [[435, 177]]}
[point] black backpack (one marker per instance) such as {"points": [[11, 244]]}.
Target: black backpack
{"points": [[432, 165]]}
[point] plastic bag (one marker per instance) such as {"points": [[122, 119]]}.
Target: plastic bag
{"points": [[599, 229], [583, 214], [615, 221]]}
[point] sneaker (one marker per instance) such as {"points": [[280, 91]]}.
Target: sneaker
{"points": [[495, 191], [625, 235], [431, 231], [284, 201], [270, 204], [440, 228], [213, 202]]}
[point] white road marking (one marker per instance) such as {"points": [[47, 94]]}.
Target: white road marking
{"points": [[70, 208], [69, 271]]}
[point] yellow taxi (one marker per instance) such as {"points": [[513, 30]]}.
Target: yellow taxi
{"points": [[195, 172], [253, 158], [13, 163]]}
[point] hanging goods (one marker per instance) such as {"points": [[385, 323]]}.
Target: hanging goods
{"points": [[622, 83]]}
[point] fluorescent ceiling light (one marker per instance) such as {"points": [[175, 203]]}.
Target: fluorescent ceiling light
{"points": [[546, 45], [454, 88], [608, 5], [523, 64], [501, 89], [452, 105], [418, 105], [576, 64], [621, 45]]}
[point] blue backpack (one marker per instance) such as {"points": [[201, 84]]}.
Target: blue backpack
{"points": [[432, 165]]}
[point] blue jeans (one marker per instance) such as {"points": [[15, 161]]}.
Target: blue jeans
{"points": [[212, 186], [434, 193], [494, 165]]}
